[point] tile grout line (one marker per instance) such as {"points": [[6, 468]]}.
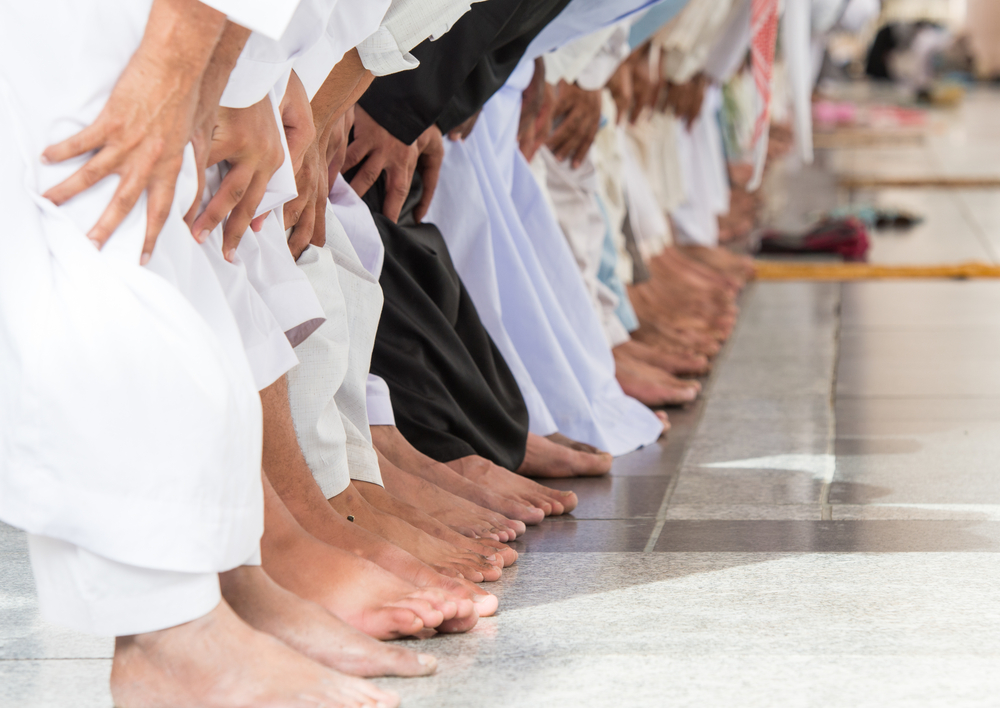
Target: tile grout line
{"points": [[825, 508], [981, 236], [661, 514]]}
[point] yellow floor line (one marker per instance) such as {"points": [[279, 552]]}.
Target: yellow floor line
{"points": [[939, 182], [782, 270]]}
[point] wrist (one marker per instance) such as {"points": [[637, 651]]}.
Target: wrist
{"points": [[182, 35]]}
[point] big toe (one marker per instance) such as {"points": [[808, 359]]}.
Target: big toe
{"points": [[391, 623], [397, 661]]}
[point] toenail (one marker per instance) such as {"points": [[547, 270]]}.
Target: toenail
{"points": [[426, 660]]}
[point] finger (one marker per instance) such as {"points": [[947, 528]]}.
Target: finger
{"points": [[356, 153], [560, 136], [367, 175], [90, 138], [294, 209], [397, 187], [430, 173], [159, 199], [232, 190], [319, 226], [98, 167], [303, 232], [241, 216], [257, 223], [586, 141], [572, 149], [124, 199], [570, 139], [192, 213]]}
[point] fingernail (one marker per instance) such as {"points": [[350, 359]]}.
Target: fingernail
{"points": [[231, 255], [426, 660], [491, 558], [144, 259], [97, 244], [565, 494], [44, 160], [203, 236], [480, 599]]}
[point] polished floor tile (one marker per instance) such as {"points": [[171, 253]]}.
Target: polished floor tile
{"points": [[614, 497], [746, 486], [913, 416], [24, 634], [782, 536], [12, 540], [76, 683], [567, 535], [919, 363], [938, 305], [747, 629]]}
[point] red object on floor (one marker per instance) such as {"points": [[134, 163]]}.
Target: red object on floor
{"points": [[845, 237]]}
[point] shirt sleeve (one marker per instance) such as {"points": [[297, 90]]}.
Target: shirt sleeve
{"points": [[269, 17], [473, 60], [379, 403], [407, 24]]}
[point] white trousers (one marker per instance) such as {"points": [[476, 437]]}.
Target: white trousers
{"points": [[327, 390]]}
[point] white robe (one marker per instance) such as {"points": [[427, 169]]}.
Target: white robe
{"points": [[529, 293], [520, 273]]}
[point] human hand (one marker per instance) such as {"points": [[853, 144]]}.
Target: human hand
{"points": [[686, 99], [532, 99], [620, 86], [306, 212], [581, 119], [431, 148], [143, 129], [464, 129], [248, 139], [645, 82], [538, 131], [297, 120], [380, 151]]}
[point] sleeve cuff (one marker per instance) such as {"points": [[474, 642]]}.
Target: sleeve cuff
{"points": [[379, 403], [381, 55], [268, 17]]}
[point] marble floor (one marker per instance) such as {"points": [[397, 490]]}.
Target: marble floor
{"points": [[821, 529]]}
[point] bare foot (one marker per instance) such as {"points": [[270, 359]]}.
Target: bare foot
{"points": [[687, 364], [738, 268], [443, 557], [651, 385], [555, 458], [391, 443], [497, 554], [460, 514], [361, 593], [218, 661], [313, 631], [485, 473]]}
